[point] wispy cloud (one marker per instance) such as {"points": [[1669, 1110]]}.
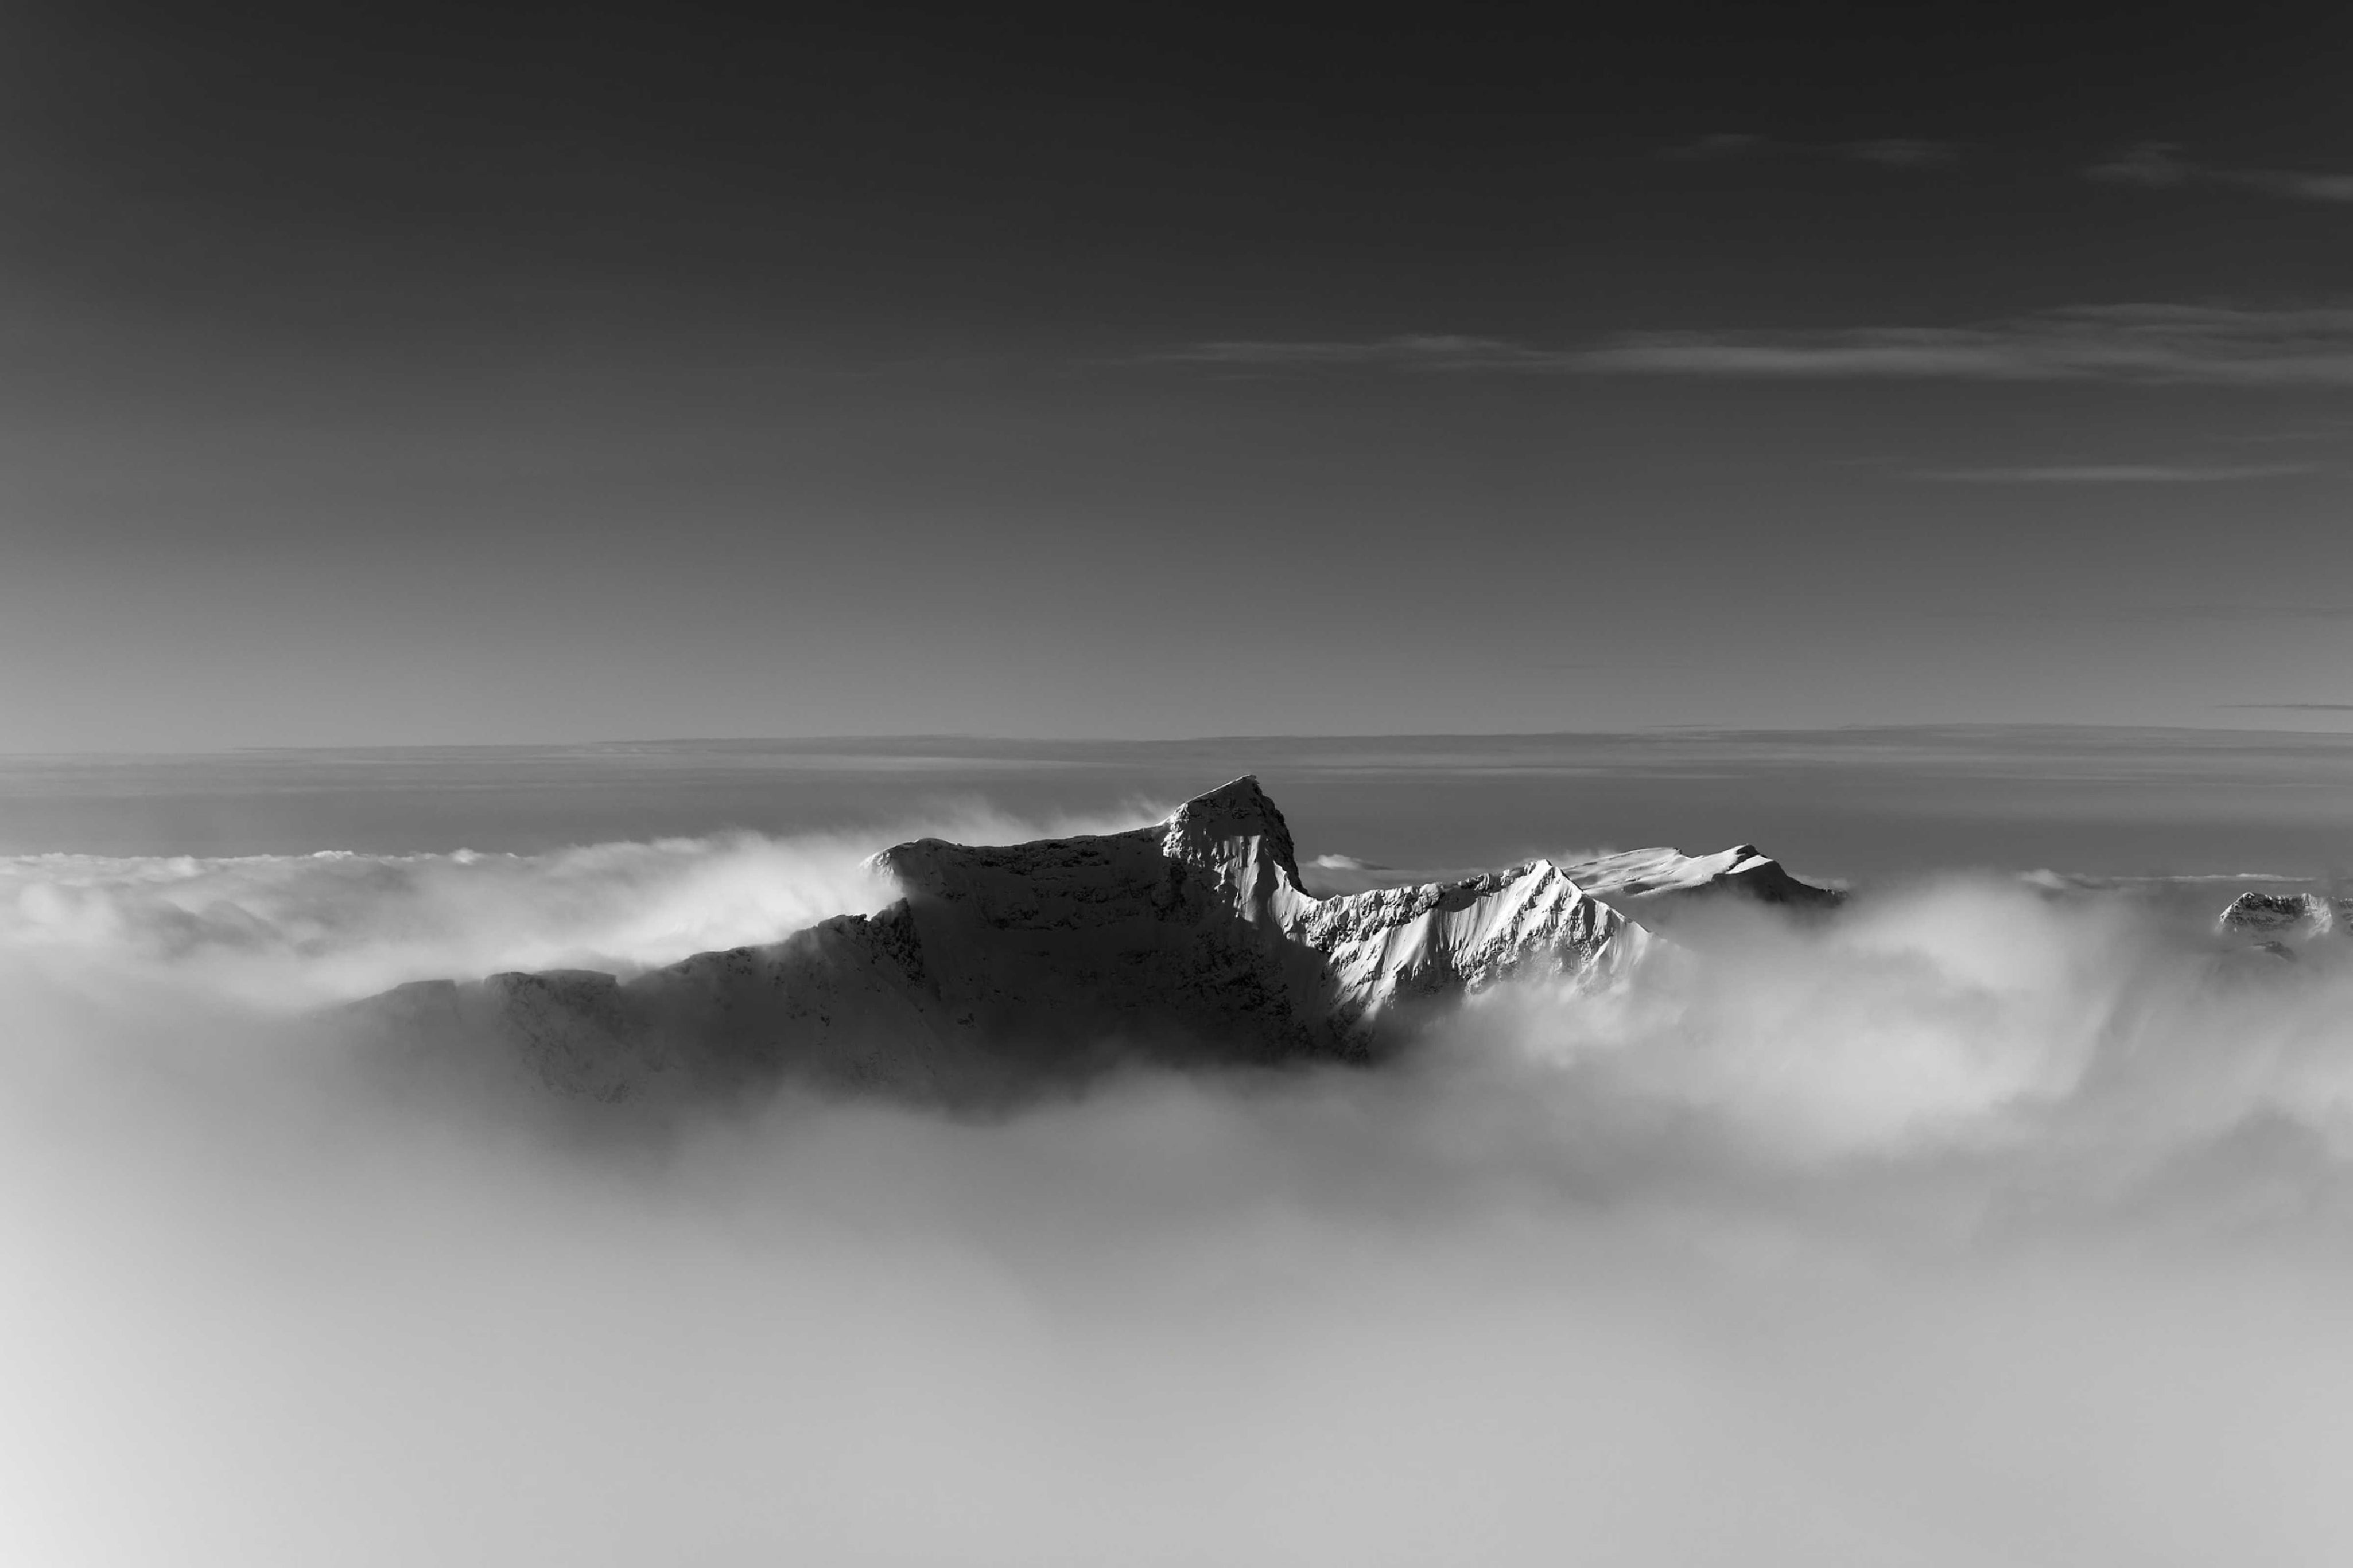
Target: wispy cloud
{"points": [[2119, 473], [2159, 166], [1407, 350], [2143, 344], [2240, 614], [2301, 435], [2155, 165], [1888, 153], [1719, 144], [2215, 345], [1902, 153], [2300, 184], [2228, 612]]}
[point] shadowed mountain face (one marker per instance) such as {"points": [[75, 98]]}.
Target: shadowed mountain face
{"points": [[1002, 969]]}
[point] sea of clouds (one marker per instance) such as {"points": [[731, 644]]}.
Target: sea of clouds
{"points": [[1987, 1222]]}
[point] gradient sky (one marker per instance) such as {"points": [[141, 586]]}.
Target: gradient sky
{"points": [[566, 374]]}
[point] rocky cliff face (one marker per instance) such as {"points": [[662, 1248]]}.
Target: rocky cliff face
{"points": [[1001, 967]]}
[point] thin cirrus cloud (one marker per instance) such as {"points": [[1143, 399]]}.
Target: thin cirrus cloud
{"points": [[2119, 473], [1718, 144], [2292, 707], [2210, 345], [1901, 152], [1888, 153], [1405, 350], [2205, 345], [2158, 166], [2235, 611]]}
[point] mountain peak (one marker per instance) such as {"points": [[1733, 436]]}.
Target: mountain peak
{"points": [[2293, 917], [1240, 802], [1002, 966], [1238, 832]]}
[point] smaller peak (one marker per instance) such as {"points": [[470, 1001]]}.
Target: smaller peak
{"points": [[2298, 915]]}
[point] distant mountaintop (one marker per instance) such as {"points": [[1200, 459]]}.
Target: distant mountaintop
{"points": [[1649, 877], [2283, 921], [1003, 967]]}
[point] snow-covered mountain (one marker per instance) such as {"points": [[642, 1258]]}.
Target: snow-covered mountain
{"points": [[1650, 879], [997, 967], [2282, 921]]}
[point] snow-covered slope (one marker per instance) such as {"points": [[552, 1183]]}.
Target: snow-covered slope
{"points": [[1393, 945], [1640, 878], [1190, 940]]}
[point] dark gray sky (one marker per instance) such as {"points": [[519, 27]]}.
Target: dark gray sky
{"points": [[515, 375]]}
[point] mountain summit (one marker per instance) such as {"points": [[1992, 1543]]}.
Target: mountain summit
{"points": [[2281, 922], [999, 967]]}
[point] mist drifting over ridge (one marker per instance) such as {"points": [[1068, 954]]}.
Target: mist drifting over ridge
{"points": [[335, 925], [1981, 1224]]}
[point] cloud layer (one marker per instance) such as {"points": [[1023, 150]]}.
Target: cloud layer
{"points": [[302, 930], [1986, 1225]]}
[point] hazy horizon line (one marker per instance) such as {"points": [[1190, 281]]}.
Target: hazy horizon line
{"points": [[905, 738]]}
